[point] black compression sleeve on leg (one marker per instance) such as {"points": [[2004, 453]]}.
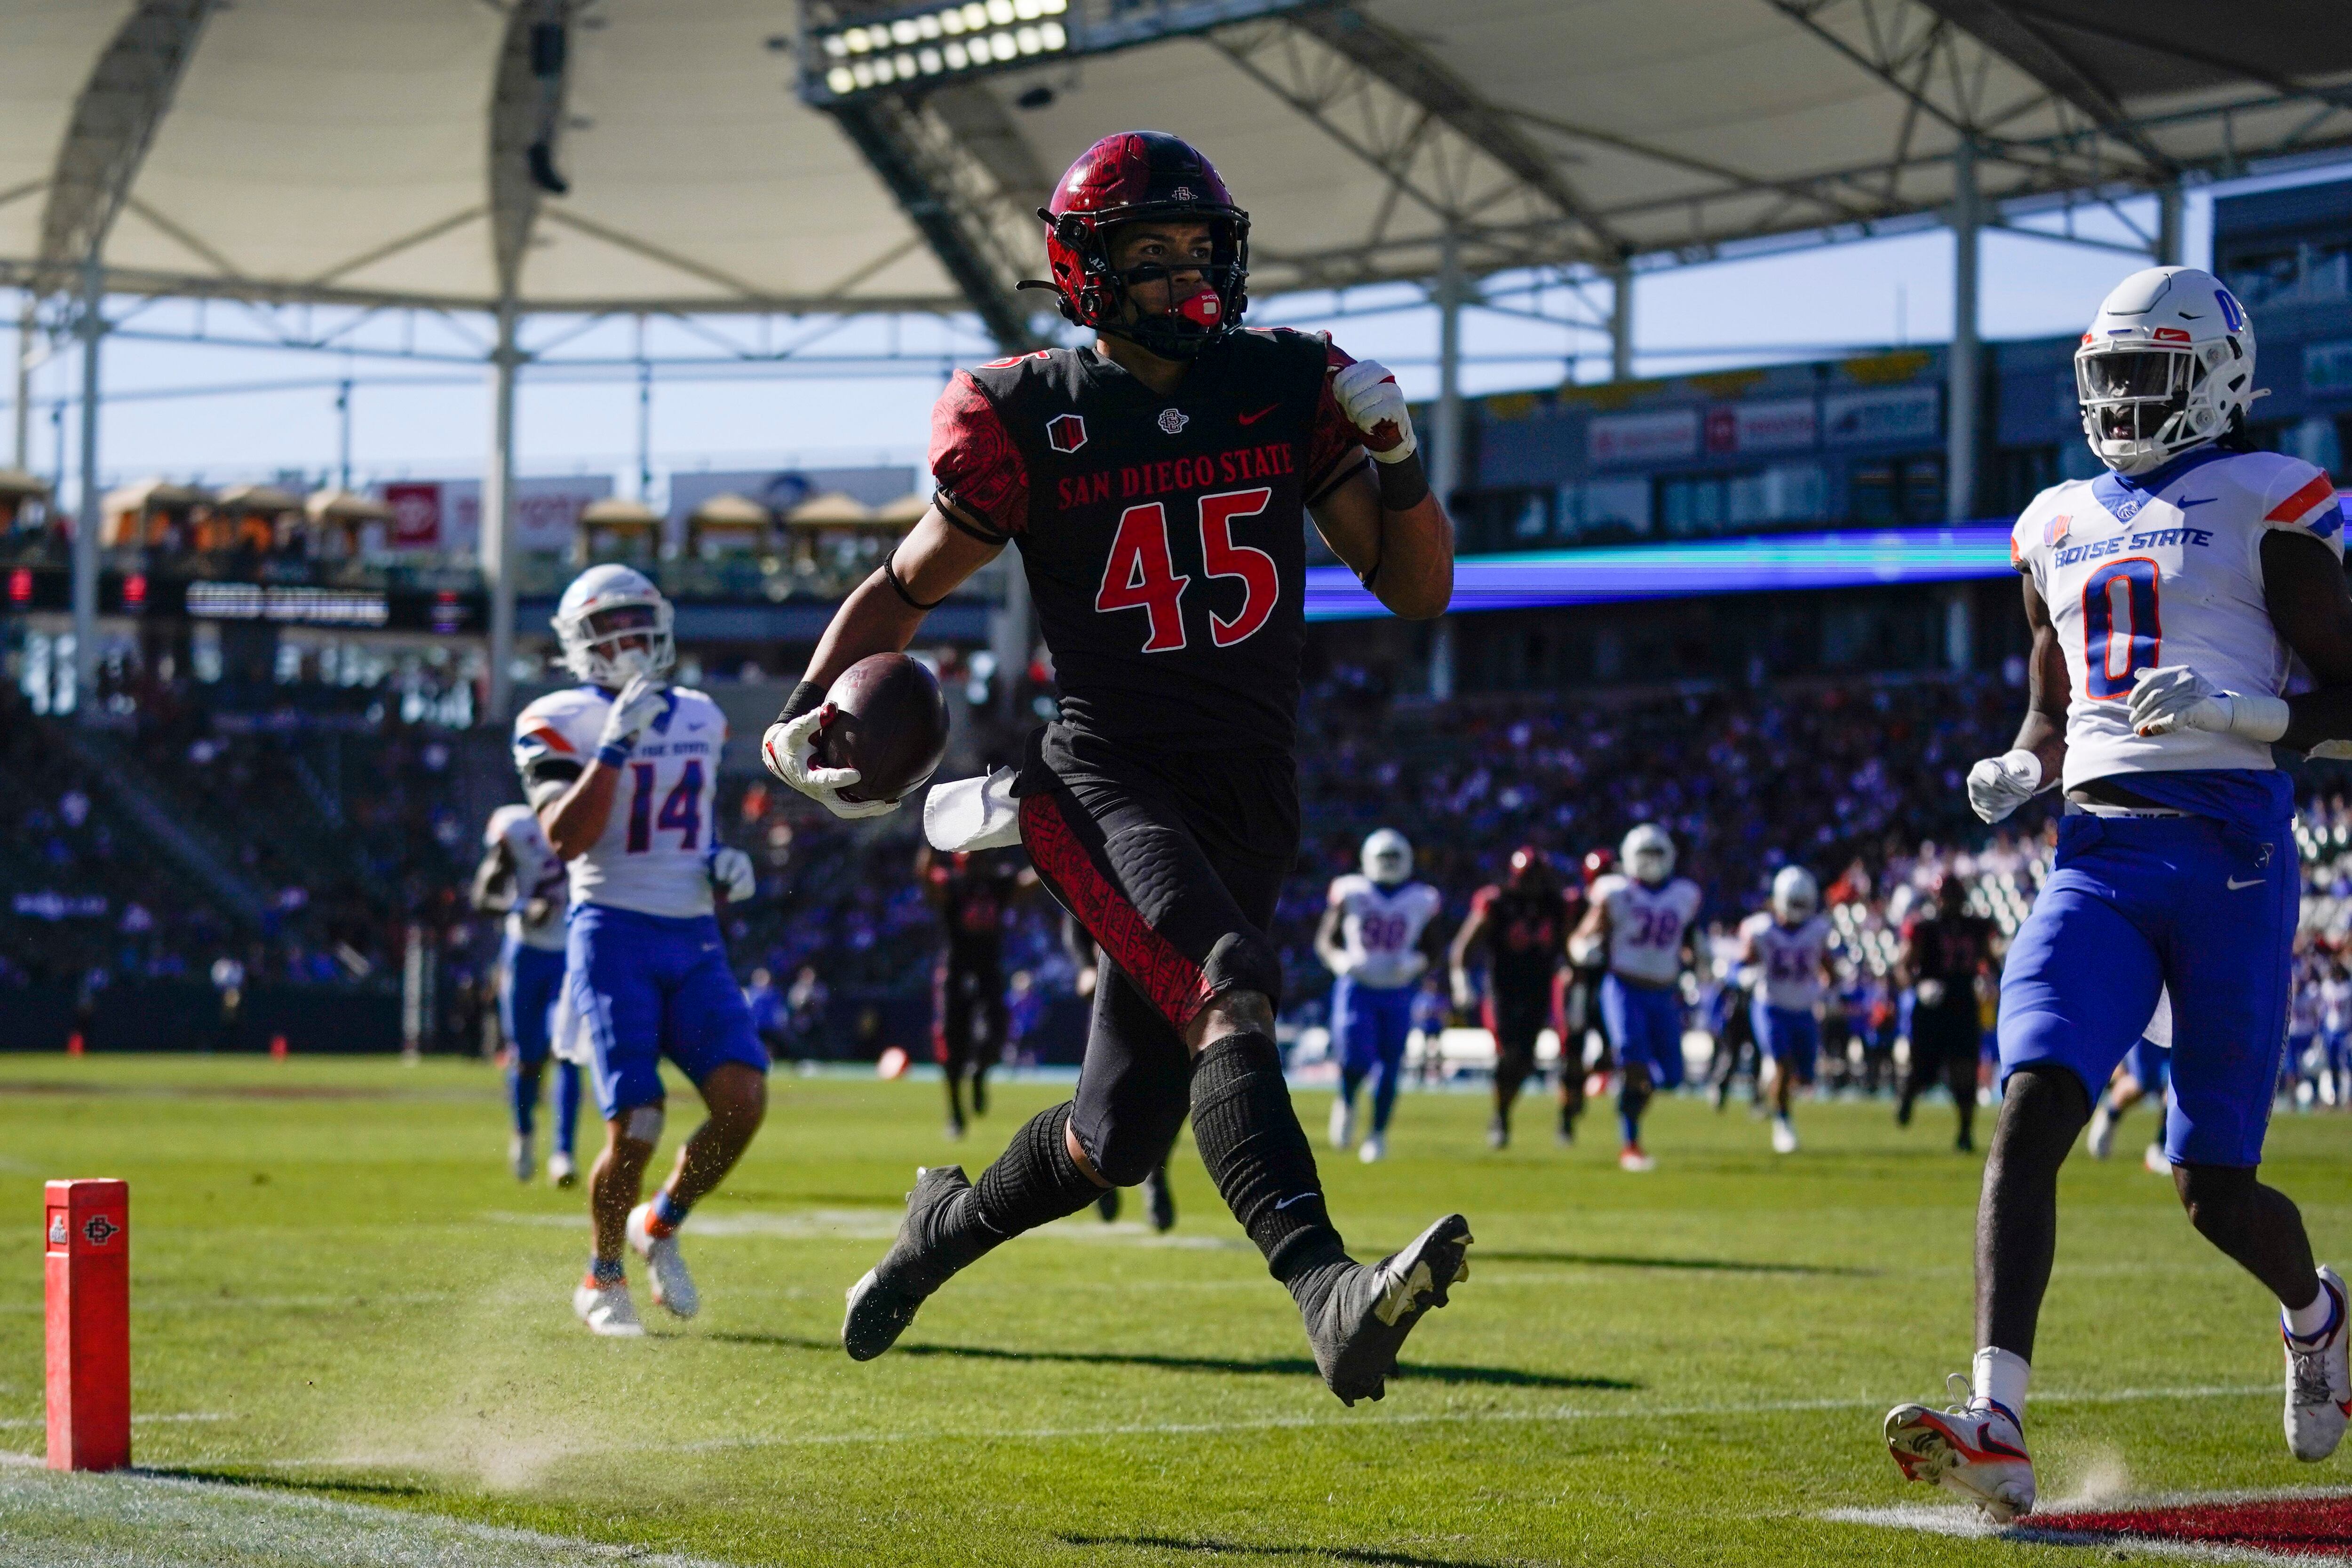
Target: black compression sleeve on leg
{"points": [[1034, 1182], [1250, 1140]]}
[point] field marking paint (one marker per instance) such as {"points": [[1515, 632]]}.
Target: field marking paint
{"points": [[177, 1519], [182, 1415], [875, 1225], [1562, 1413], [2048, 1527]]}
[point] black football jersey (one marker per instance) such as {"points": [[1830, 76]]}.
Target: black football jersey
{"points": [[1527, 936], [1163, 537], [974, 897]]}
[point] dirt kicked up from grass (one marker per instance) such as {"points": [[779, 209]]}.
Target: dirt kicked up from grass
{"points": [[353, 1344]]}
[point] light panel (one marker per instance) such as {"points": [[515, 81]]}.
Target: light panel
{"points": [[938, 41]]}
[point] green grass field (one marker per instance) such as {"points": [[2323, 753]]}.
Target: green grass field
{"points": [[344, 1305]]}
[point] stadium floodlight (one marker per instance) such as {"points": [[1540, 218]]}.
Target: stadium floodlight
{"points": [[898, 51]]}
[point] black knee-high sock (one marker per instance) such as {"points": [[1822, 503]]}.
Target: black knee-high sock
{"points": [[1034, 1182], [1250, 1140]]}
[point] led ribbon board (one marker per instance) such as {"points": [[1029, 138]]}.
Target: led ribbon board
{"points": [[1848, 560]]}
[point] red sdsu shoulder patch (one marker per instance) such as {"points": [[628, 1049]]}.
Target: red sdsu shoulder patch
{"points": [[1065, 432]]}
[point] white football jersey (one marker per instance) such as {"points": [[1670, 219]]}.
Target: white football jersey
{"points": [[653, 856], [1380, 928], [539, 874], [2336, 1005], [1646, 925], [2138, 576], [1788, 958]]}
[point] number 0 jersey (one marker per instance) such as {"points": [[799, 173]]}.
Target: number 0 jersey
{"points": [[1788, 958], [538, 874], [1163, 537], [653, 856], [1646, 925], [2167, 569], [1380, 928]]}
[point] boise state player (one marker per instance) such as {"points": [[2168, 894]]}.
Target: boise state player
{"points": [[1788, 947], [1370, 939], [1522, 922], [2171, 599], [624, 772], [2145, 1072], [1642, 920], [1157, 483], [522, 877]]}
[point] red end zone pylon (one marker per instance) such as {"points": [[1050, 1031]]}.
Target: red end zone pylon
{"points": [[86, 1227]]}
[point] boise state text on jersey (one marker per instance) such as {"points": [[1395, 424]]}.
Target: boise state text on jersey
{"points": [[653, 856]]}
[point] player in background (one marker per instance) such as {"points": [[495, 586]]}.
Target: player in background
{"points": [[1787, 948], [522, 878], [623, 771], [1586, 968], [1641, 919], [1521, 925], [2144, 1073], [2170, 600], [974, 894], [1161, 806], [2335, 1029], [2307, 1055], [1944, 952], [1369, 938]]}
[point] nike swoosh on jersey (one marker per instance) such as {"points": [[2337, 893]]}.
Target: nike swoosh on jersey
{"points": [[1254, 418], [2201, 500], [2235, 886]]}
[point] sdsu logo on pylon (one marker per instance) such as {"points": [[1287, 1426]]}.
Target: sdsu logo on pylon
{"points": [[101, 1229], [1065, 432]]}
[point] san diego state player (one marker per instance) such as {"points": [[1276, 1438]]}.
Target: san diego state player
{"points": [[974, 893], [1522, 924], [1156, 483]]}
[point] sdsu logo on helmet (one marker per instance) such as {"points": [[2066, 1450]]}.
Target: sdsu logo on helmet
{"points": [[1065, 432]]}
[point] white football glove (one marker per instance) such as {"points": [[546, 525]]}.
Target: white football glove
{"points": [[1465, 996], [790, 751], [638, 705], [731, 874], [1370, 396], [2176, 698], [1999, 786]]}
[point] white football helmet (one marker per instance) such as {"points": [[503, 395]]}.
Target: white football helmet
{"points": [[1648, 854], [1388, 858], [606, 610], [1795, 895], [2168, 364]]}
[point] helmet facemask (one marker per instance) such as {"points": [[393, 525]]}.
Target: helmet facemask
{"points": [[2144, 402], [1095, 293], [609, 647]]}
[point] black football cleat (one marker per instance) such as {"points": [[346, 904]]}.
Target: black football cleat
{"points": [[885, 1301], [1369, 1312], [1160, 1201], [1107, 1205]]}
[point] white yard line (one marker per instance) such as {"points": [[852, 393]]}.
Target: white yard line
{"points": [[2050, 1527]]}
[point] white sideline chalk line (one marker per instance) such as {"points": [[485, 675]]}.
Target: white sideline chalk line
{"points": [[2049, 1529], [1263, 1424], [136, 1419], [394, 1535], [870, 1225]]}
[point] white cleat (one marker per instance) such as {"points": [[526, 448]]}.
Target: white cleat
{"points": [[561, 1170], [673, 1286], [2103, 1132], [2319, 1380], [2155, 1161], [1343, 1124], [608, 1310], [1784, 1136], [519, 1158], [1976, 1450], [1375, 1148], [1630, 1158]]}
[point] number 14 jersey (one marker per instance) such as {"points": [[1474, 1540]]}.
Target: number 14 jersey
{"points": [[654, 855], [2166, 569]]}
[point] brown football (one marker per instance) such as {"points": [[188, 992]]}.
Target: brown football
{"points": [[889, 722]]}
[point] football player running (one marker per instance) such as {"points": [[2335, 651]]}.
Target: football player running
{"points": [[623, 771], [1642, 920], [2169, 600], [1522, 922], [1787, 947], [968, 1020], [1370, 939], [522, 877], [1156, 482]]}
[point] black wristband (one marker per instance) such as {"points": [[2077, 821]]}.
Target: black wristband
{"points": [[1403, 483], [806, 697]]}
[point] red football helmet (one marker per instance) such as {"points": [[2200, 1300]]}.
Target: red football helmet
{"points": [[1599, 863], [1127, 178], [1530, 870]]}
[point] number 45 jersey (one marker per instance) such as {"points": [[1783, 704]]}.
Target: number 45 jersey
{"points": [[1163, 537], [2166, 569], [654, 855]]}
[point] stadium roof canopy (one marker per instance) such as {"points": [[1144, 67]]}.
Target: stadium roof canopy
{"points": [[409, 151]]}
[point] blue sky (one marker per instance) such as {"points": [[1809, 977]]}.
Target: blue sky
{"points": [[1811, 301]]}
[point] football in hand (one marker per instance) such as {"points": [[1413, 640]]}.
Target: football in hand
{"points": [[889, 722]]}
